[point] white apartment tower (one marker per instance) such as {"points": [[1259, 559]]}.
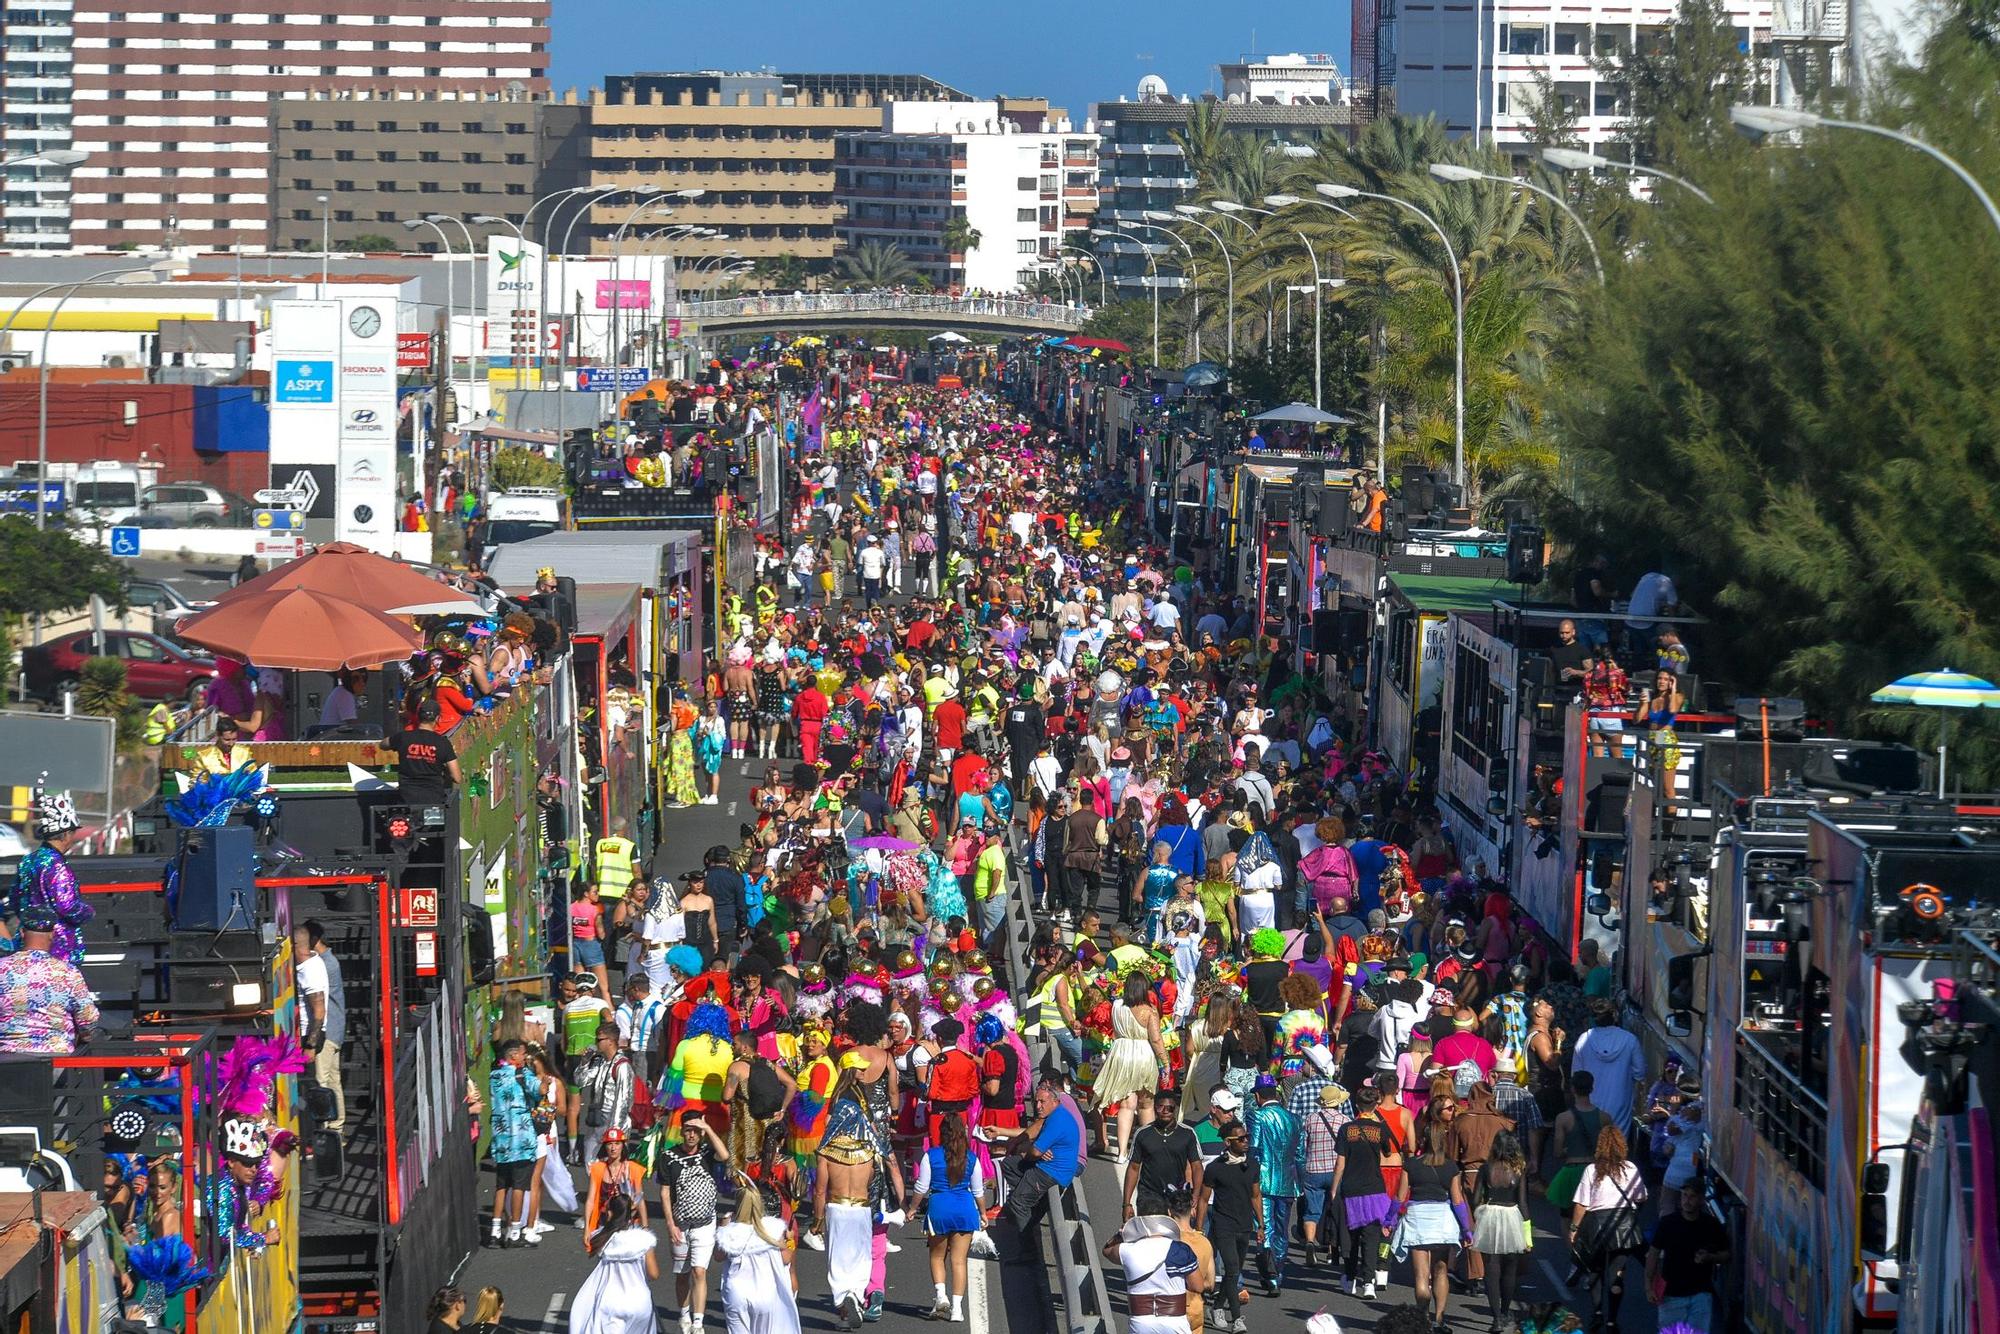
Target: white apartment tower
{"points": [[35, 118], [176, 107], [1477, 67]]}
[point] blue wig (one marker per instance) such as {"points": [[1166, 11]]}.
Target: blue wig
{"points": [[709, 1020], [988, 1030]]}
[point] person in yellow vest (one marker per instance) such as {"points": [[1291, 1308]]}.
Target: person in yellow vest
{"points": [[160, 723], [614, 875]]}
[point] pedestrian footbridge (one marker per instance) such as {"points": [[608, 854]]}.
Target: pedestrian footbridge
{"points": [[817, 311]]}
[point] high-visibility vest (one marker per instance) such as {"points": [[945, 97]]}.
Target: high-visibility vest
{"points": [[614, 867], [159, 724]]}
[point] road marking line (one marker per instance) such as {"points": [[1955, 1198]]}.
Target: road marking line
{"points": [[556, 1303], [732, 810], [977, 1319]]}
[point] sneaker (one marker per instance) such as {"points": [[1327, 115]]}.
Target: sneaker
{"points": [[1382, 1277], [530, 1237], [1367, 1292], [850, 1313], [873, 1311], [542, 1229], [940, 1310], [812, 1241], [1237, 1326], [687, 1322], [891, 1248]]}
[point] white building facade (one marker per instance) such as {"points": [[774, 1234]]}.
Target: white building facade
{"points": [[1019, 190], [1477, 67]]}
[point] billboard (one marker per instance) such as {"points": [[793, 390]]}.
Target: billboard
{"points": [[365, 472], [513, 275], [629, 293], [305, 361]]}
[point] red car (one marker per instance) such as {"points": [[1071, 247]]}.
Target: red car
{"points": [[155, 668]]}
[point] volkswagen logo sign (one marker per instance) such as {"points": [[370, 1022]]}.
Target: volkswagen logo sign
{"points": [[364, 513]]}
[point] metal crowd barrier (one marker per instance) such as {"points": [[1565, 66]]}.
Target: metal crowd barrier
{"points": [[1086, 1302]]}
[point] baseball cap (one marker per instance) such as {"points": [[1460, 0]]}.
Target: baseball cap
{"points": [[1225, 1099]]}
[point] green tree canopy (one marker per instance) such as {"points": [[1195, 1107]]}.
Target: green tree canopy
{"points": [[1787, 402], [44, 571], [878, 264]]}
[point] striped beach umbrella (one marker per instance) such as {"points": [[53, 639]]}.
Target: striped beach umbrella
{"points": [[1941, 690]]}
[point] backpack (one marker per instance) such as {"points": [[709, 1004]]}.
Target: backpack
{"points": [[644, 1113], [764, 1091], [1464, 1075], [954, 1077]]}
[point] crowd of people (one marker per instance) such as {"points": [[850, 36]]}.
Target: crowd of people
{"points": [[1260, 984]]}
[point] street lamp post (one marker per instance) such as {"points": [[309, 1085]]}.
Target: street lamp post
{"points": [[1270, 306], [542, 293], [1192, 272], [1332, 191], [1575, 159], [1451, 171], [1230, 206], [1773, 120], [474, 302], [1152, 280], [562, 352], [153, 272], [446, 358], [1228, 271], [1102, 300]]}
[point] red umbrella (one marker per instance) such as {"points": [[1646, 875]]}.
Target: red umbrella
{"points": [[303, 628], [358, 574], [1101, 344]]}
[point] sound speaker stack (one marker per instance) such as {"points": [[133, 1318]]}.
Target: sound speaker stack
{"points": [[1524, 554], [218, 890]]}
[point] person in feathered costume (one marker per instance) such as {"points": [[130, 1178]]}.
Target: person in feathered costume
{"points": [[815, 1002], [869, 983], [248, 1072], [711, 986], [229, 1195], [44, 879]]}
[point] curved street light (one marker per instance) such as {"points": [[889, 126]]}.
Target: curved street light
{"points": [[1092, 258], [1187, 212], [1192, 271], [1775, 120], [1333, 191], [1451, 171], [1230, 206], [144, 273], [449, 359], [1575, 159]]}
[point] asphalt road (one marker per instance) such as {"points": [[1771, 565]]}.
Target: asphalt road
{"points": [[539, 1282]]}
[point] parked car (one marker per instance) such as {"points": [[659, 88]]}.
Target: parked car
{"points": [[166, 603], [155, 667], [193, 505]]}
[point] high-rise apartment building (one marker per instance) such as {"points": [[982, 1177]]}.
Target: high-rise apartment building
{"points": [[760, 147], [1024, 182], [351, 167], [1276, 99], [1484, 68], [177, 109], [35, 119]]}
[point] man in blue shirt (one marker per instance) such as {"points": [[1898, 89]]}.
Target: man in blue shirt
{"points": [[1368, 863], [1043, 1157]]}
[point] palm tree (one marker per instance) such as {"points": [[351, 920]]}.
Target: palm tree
{"points": [[1202, 138], [782, 271], [878, 264], [960, 236]]}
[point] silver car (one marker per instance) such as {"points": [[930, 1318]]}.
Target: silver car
{"points": [[192, 505]]}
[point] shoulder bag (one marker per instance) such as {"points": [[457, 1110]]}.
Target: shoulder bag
{"points": [[1606, 1234]]}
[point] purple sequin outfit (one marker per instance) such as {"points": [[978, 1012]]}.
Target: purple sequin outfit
{"points": [[43, 879]]}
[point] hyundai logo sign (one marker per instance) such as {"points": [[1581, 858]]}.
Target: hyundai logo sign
{"points": [[364, 421]]}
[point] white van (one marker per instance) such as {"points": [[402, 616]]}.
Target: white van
{"points": [[108, 493], [518, 515]]}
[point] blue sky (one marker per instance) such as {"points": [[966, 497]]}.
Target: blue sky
{"points": [[1074, 53]]}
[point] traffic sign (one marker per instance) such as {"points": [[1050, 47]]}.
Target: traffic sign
{"points": [[617, 380], [280, 546], [278, 521], [125, 541]]}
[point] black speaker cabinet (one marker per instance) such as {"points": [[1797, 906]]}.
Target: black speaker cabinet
{"points": [[219, 880]]}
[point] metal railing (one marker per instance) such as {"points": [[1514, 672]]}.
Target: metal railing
{"points": [[1052, 315], [1086, 1302]]}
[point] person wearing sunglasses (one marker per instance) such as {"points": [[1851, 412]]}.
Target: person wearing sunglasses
{"points": [[1232, 1207]]}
